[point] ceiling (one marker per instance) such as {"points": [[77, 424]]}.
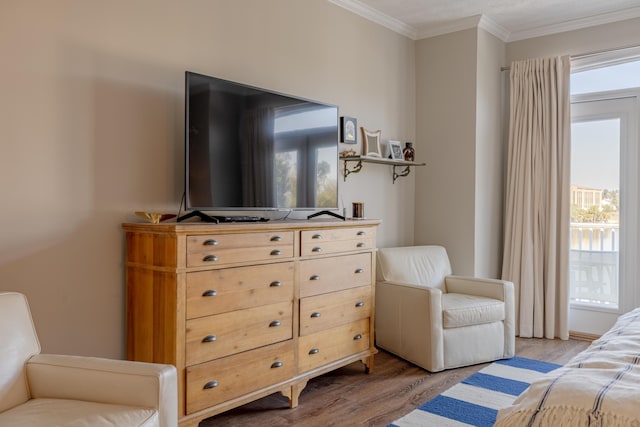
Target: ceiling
{"points": [[509, 20]]}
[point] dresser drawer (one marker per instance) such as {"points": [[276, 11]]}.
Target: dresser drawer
{"points": [[333, 309], [333, 344], [329, 241], [229, 289], [220, 249], [322, 275], [215, 382], [210, 337]]}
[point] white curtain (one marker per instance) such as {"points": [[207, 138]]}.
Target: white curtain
{"points": [[536, 246]]}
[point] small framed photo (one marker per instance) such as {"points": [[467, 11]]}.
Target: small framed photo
{"points": [[371, 143], [348, 129], [395, 150]]}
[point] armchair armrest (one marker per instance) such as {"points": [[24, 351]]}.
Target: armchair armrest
{"points": [[409, 322], [147, 385], [489, 288]]}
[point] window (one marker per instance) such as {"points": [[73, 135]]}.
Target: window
{"points": [[604, 193]]}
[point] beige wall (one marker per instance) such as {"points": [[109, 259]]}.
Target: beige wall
{"points": [[490, 158], [459, 193], [446, 131], [91, 130]]}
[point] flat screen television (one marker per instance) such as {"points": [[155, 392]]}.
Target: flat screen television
{"points": [[248, 148]]}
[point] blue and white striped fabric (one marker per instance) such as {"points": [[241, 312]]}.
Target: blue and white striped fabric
{"points": [[476, 400]]}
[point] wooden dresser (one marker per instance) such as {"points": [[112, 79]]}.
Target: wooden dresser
{"points": [[244, 310]]}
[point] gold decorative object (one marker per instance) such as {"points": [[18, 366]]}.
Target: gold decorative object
{"points": [[155, 218], [347, 153]]}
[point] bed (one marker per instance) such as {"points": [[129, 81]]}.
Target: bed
{"points": [[598, 387]]}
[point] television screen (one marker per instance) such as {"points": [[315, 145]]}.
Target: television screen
{"points": [[254, 149]]}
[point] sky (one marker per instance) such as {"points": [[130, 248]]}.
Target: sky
{"points": [[595, 154], [619, 76]]}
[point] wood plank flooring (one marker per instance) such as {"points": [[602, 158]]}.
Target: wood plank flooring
{"points": [[349, 397]]}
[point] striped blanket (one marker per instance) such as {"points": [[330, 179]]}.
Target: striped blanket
{"points": [[598, 387]]}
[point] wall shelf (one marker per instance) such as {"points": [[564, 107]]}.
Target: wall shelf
{"points": [[359, 160]]}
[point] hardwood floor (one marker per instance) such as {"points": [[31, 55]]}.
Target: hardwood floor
{"points": [[349, 397]]}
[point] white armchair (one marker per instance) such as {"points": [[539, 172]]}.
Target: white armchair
{"points": [[439, 321], [56, 390]]}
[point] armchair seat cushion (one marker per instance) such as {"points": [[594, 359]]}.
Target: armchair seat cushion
{"points": [[74, 413], [466, 310]]}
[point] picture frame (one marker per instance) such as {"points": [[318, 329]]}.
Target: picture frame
{"points": [[395, 150], [348, 130], [371, 143]]}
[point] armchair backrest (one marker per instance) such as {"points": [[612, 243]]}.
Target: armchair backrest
{"points": [[19, 343], [417, 265]]}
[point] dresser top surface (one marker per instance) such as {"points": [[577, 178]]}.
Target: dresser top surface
{"points": [[207, 227]]}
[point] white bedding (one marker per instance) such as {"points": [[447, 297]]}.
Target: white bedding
{"points": [[599, 387]]}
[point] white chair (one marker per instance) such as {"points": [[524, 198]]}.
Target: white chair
{"points": [[439, 321], [38, 390]]}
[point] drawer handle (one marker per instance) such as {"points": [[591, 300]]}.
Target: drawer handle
{"points": [[361, 233], [209, 293], [360, 245], [274, 324], [210, 258], [360, 304], [359, 270], [275, 284], [314, 351], [276, 252], [210, 242], [211, 384], [317, 236], [316, 249], [210, 338], [315, 314], [276, 239], [277, 364], [357, 337], [314, 277]]}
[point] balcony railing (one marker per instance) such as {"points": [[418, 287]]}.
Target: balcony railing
{"points": [[594, 263]]}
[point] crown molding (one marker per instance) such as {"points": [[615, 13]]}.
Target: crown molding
{"points": [[576, 24], [494, 28], [376, 16], [481, 21]]}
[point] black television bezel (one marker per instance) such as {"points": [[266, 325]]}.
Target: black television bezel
{"points": [[189, 208]]}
